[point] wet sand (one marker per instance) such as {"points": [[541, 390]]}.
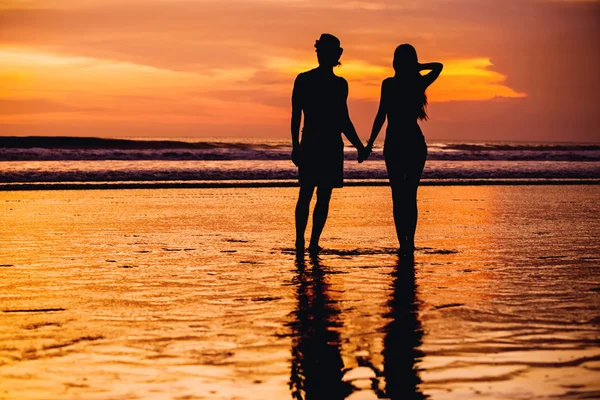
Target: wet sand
{"points": [[196, 294]]}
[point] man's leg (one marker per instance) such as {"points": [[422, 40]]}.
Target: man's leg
{"points": [[319, 216], [302, 210]]}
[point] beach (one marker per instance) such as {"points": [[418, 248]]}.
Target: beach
{"points": [[196, 294]]}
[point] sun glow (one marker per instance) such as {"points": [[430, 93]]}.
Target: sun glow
{"points": [[468, 79], [49, 88]]}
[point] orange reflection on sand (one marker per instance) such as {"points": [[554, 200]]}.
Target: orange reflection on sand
{"points": [[195, 292]]}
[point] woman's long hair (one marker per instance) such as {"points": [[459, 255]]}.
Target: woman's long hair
{"points": [[405, 65]]}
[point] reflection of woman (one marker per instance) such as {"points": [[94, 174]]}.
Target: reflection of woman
{"points": [[403, 102], [321, 96], [317, 366], [403, 336]]}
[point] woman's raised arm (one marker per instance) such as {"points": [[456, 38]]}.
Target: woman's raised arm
{"points": [[435, 71]]}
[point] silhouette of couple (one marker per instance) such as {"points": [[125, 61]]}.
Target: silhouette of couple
{"points": [[322, 96]]}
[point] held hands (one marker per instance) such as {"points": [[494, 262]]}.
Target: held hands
{"points": [[365, 152]]}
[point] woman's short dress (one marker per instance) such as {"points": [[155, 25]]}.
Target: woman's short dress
{"points": [[405, 154], [405, 150]]}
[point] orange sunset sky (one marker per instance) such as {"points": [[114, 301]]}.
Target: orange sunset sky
{"points": [[514, 69]]}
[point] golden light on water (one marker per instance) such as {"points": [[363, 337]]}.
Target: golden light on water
{"points": [[196, 292]]}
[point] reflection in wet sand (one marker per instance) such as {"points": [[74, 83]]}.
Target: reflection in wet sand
{"points": [[317, 367], [403, 336], [190, 293]]}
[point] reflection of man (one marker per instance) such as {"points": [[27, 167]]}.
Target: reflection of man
{"points": [[321, 96], [317, 365]]}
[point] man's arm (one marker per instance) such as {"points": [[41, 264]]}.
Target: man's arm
{"points": [[296, 112], [349, 130], [296, 119]]}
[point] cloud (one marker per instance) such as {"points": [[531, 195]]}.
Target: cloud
{"points": [[205, 63], [36, 106]]}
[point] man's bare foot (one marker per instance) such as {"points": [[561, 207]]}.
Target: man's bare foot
{"points": [[314, 249], [299, 246]]}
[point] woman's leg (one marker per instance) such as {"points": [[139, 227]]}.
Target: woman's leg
{"points": [[320, 216], [393, 164], [302, 210], [411, 213], [413, 178], [398, 196]]}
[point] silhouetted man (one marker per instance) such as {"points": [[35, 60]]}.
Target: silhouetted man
{"points": [[321, 95]]}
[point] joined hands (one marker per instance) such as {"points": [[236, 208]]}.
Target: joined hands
{"points": [[365, 152]]}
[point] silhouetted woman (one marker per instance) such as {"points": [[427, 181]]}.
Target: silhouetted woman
{"points": [[403, 102], [321, 96]]}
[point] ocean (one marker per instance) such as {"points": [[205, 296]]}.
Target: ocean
{"points": [[69, 162]]}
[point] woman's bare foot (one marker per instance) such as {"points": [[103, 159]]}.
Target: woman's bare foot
{"points": [[407, 247]]}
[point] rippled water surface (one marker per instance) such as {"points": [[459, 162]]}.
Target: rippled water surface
{"points": [[196, 294]]}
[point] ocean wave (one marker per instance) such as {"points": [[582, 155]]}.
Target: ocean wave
{"points": [[108, 171], [40, 154], [81, 149]]}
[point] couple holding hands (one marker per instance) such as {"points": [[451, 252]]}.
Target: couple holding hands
{"points": [[322, 96]]}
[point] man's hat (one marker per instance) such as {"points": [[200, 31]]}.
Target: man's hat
{"points": [[328, 42]]}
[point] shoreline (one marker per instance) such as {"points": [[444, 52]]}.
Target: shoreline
{"points": [[32, 186]]}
